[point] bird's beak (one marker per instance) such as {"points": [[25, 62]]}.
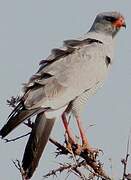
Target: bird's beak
{"points": [[120, 22], [124, 25]]}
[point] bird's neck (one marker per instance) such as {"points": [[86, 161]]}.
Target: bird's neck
{"points": [[105, 38]]}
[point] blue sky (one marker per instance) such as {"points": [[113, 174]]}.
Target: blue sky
{"points": [[28, 31]]}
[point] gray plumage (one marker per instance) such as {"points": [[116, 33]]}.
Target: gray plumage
{"points": [[67, 78], [36, 143]]}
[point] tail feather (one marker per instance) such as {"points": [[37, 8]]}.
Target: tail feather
{"points": [[36, 144], [15, 119]]}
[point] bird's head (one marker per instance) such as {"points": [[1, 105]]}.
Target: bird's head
{"points": [[108, 23]]}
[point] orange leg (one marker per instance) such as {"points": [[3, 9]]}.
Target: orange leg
{"points": [[82, 133], [85, 143], [71, 140], [68, 130]]}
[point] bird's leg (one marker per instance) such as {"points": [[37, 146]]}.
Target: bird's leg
{"points": [[82, 132], [85, 142], [71, 139], [72, 145]]}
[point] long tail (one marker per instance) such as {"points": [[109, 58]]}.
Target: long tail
{"points": [[36, 144], [18, 115]]}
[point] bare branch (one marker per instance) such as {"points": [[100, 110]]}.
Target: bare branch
{"points": [[95, 165], [19, 167], [15, 139], [63, 167], [125, 161]]}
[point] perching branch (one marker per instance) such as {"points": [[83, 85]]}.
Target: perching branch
{"points": [[93, 163]]}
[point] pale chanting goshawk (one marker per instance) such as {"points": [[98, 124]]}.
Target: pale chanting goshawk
{"points": [[64, 82]]}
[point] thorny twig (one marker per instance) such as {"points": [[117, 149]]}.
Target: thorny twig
{"points": [[63, 167], [125, 161], [13, 101], [19, 167]]}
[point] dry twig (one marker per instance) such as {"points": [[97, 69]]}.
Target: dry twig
{"points": [[66, 166], [15, 139], [19, 167], [125, 160]]}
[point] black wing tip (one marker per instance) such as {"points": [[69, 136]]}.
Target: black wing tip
{"points": [[2, 134]]}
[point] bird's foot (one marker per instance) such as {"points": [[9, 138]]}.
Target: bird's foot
{"points": [[91, 152], [69, 147], [84, 149]]}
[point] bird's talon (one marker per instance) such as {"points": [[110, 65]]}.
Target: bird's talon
{"points": [[69, 147]]}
